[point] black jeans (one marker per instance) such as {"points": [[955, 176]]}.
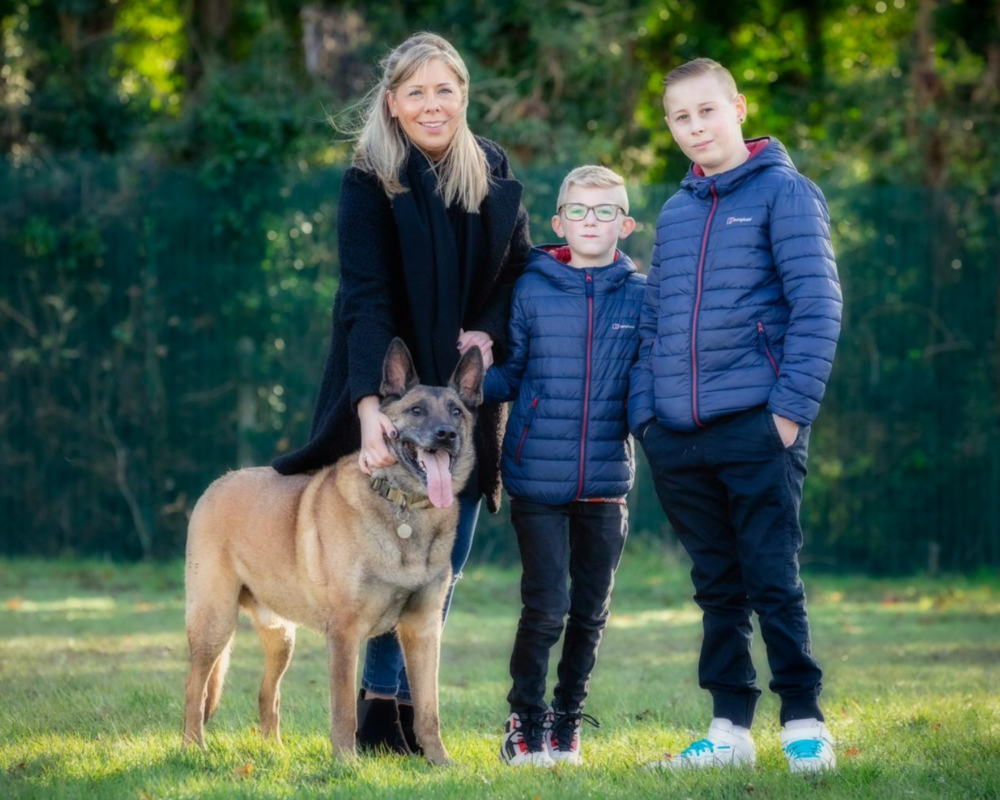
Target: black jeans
{"points": [[590, 553], [732, 493]]}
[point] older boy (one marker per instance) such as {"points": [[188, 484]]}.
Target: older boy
{"points": [[567, 455], [739, 327]]}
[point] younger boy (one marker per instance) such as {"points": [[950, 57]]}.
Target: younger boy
{"points": [[739, 327], [567, 454]]}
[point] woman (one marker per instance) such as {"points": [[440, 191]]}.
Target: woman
{"points": [[432, 236]]}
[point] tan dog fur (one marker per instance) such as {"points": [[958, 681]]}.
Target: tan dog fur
{"points": [[322, 550]]}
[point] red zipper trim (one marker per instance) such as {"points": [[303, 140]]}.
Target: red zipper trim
{"points": [[767, 349], [697, 306], [586, 391], [524, 433]]}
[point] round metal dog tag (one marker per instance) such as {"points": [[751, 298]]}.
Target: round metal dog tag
{"points": [[404, 531]]}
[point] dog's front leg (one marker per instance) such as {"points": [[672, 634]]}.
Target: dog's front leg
{"points": [[419, 632], [343, 646]]}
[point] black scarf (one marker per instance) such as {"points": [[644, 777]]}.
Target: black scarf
{"points": [[441, 249]]}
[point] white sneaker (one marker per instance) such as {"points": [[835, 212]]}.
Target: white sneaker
{"points": [[808, 746], [524, 742], [722, 747], [562, 735]]}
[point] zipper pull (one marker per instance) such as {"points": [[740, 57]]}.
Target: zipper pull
{"points": [[590, 285], [534, 403]]}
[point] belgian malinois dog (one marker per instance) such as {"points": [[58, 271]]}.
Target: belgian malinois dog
{"points": [[339, 552]]}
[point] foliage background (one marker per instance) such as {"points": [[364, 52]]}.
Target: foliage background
{"points": [[167, 243]]}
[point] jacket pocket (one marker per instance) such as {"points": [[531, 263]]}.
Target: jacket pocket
{"points": [[765, 347], [527, 427]]}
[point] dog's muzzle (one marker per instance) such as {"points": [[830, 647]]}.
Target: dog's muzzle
{"points": [[434, 464]]}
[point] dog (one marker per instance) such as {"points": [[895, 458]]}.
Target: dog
{"points": [[339, 552]]}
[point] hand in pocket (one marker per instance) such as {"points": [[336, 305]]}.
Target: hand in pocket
{"points": [[787, 430]]}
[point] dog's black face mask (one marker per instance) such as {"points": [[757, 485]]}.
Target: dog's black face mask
{"points": [[434, 446]]}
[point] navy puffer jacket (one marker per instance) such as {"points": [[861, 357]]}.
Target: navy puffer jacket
{"points": [[743, 303], [573, 338]]}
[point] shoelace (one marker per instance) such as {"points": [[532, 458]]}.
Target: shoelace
{"points": [[533, 729], [697, 748], [804, 748], [565, 724]]}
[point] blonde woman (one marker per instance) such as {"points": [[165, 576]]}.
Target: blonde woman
{"points": [[432, 236]]}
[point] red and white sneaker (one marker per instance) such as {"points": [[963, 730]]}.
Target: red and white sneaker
{"points": [[562, 734], [524, 741]]}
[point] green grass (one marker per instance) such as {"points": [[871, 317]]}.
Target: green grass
{"points": [[93, 660]]}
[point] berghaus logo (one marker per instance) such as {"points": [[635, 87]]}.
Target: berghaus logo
{"points": [[621, 326], [734, 220]]}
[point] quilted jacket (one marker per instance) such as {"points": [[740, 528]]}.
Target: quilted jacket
{"points": [[572, 340], [743, 304]]}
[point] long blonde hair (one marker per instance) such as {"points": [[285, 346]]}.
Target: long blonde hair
{"points": [[381, 144]]}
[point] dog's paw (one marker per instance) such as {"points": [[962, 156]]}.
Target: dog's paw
{"points": [[439, 758], [345, 753]]}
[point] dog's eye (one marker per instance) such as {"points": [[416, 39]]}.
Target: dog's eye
{"points": [[456, 412], [417, 411]]}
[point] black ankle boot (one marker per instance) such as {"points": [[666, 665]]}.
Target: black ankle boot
{"points": [[406, 723], [378, 726]]}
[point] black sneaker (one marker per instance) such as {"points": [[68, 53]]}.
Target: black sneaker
{"points": [[562, 734], [524, 741]]}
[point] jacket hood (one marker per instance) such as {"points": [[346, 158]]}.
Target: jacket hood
{"points": [[764, 152], [551, 260]]}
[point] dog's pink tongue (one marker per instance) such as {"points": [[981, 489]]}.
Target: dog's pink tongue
{"points": [[438, 466]]}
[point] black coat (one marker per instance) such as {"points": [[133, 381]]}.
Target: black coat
{"points": [[371, 308]]}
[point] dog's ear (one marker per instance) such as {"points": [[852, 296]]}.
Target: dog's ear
{"points": [[467, 379], [398, 374]]}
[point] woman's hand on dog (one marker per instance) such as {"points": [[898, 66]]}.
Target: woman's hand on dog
{"points": [[374, 427], [483, 341]]}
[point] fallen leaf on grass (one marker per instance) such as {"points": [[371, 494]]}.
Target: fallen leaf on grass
{"points": [[852, 751], [144, 607], [936, 726], [14, 603], [245, 771]]}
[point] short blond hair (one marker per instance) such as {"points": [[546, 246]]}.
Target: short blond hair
{"points": [[592, 175], [698, 67]]}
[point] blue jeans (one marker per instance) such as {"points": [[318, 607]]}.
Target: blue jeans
{"points": [[384, 671]]}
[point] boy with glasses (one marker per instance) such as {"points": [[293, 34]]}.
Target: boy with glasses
{"points": [[567, 454]]}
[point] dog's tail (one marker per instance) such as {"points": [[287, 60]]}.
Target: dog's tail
{"points": [[216, 680]]}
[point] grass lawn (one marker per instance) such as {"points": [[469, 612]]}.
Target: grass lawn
{"points": [[93, 660]]}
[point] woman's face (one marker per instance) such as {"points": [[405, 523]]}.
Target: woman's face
{"points": [[428, 106]]}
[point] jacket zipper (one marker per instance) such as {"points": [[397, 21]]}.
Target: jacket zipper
{"points": [[767, 348], [586, 387], [697, 306], [524, 433]]}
